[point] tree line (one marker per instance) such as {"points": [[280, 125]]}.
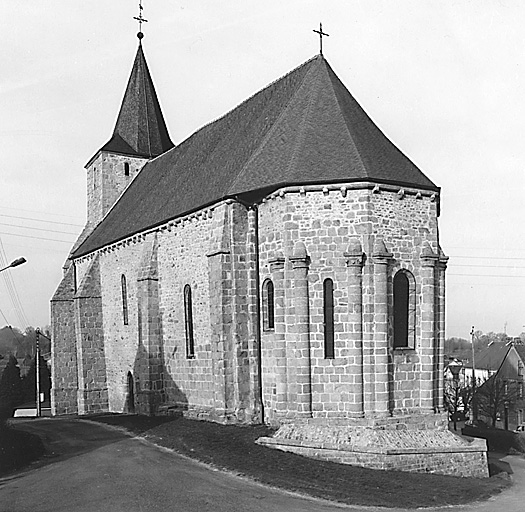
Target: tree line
{"points": [[18, 349]]}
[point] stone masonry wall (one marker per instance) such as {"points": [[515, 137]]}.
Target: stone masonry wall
{"points": [[63, 350], [181, 250], [326, 220], [463, 464], [106, 180], [91, 361], [121, 341], [182, 260], [210, 251]]}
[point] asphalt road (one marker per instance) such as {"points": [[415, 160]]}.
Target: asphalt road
{"points": [[94, 468], [90, 467]]}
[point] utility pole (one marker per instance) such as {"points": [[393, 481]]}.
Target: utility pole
{"points": [[37, 365], [473, 410]]}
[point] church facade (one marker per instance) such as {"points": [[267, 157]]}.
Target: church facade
{"points": [[281, 265]]}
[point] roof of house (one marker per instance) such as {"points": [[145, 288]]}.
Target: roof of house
{"points": [[305, 128], [520, 349], [140, 129], [491, 357]]}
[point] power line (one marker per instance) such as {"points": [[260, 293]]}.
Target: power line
{"points": [[38, 237], [484, 266], [37, 229], [486, 257], [11, 288], [37, 211], [41, 220], [45, 249], [5, 319], [482, 275]]}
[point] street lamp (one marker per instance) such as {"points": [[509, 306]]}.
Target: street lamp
{"points": [[455, 368], [506, 404], [14, 263]]}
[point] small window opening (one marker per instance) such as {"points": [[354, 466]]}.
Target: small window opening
{"points": [[126, 169], [268, 306], [328, 306], [404, 310], [124, 299], [188, 319]]}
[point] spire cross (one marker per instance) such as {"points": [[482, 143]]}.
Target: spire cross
{"points": [[141, 20], [321, 34]]}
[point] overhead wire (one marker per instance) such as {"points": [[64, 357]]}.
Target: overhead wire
{"points": [[38, 237], [37, 229], [11, 288], [41, 212], [41, 220]]}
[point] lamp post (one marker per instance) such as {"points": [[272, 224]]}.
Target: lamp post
{"points": [[14, 263], [473, 407], [37, 368], [455, 369]]}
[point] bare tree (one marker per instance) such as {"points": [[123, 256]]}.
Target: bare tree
{"points": [[458, 399], [495, 396]]}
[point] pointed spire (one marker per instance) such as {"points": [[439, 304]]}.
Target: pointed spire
{"points": [[140, 129]]}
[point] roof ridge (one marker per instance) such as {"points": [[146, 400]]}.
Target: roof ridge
{"points": [[250, 97], [340, 111], [144, 79], [503, 360], [302, 129], [276, 122]]}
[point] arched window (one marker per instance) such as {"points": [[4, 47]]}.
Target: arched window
{"points": [[126, 169], [404, 310], [268, 305], [328, 308], [124, 299], [188, 320]]}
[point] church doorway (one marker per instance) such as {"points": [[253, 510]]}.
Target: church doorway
{"points": [[131, 394]]}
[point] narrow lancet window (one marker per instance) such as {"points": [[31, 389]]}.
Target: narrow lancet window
{"points": [[404, 310], [328, 307], [268, 305], [124, 299], [188, 319]]}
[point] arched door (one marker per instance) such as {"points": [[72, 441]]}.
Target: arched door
{"points": [[131, 394]]}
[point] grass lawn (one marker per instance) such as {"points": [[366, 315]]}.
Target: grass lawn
{"points": [[17, 449], [232, 447]]}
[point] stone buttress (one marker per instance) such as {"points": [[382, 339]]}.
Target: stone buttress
{"points": [[233, 315], [63, 347], [89, 334], [149, 363]]}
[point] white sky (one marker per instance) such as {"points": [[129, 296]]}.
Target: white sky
{"points": [[443, 79]]}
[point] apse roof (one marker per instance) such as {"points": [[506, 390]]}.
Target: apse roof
{"points": [[305, 128]]}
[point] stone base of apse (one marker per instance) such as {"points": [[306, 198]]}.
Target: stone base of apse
{"points": [[417, 443]]}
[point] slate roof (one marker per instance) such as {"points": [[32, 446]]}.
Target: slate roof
{"points": [[491, 357], [140, 129], [305, 128], [520, 349]]}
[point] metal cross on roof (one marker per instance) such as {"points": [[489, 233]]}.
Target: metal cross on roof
{"points": [[321, 34], [141, 20]]}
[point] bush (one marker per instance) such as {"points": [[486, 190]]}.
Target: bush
{"points": [[10, 389]]}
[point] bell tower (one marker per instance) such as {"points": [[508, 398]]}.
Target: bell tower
{"points": [[140, 134]]}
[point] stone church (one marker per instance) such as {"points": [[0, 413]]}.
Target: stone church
{"points": [[280, 265]]}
